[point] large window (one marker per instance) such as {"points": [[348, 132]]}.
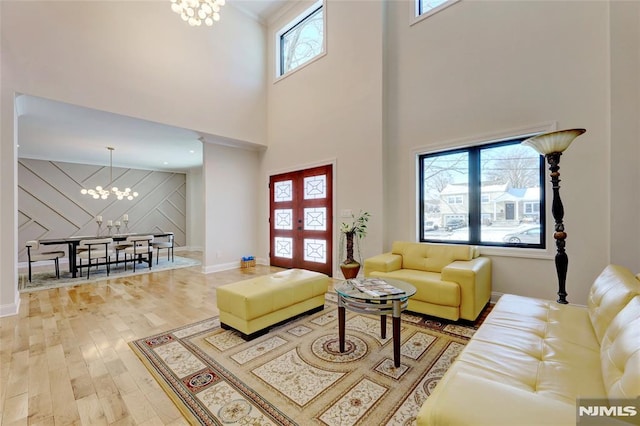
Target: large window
{"points": [[490, 194], [301, 40]]}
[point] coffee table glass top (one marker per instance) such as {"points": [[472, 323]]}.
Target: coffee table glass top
{"points": [[375, 289]]}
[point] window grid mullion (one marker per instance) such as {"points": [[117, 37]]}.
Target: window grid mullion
{"points": [[474, 196]]}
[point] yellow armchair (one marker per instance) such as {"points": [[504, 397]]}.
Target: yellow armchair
{"points": [[452, 281]]}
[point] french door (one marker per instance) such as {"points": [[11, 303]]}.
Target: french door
{"points": [[301, 218]]}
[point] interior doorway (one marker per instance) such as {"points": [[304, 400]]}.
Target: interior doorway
{"points": [[301, 219]]}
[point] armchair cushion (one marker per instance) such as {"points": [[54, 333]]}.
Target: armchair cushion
{"points": [[431, 257]]}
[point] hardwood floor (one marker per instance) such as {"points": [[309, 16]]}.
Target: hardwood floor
{"points": [[65, 359]]}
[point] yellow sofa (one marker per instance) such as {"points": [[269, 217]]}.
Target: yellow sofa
{"points": [[532, 360], [452, 281]]}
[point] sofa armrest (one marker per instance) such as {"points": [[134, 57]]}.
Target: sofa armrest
{"points": [[474, 278], [385, 262]]}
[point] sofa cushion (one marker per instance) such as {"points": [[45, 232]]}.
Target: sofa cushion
{"points": [[539, 346], [610, 292], [620, 353], [431, 257]]}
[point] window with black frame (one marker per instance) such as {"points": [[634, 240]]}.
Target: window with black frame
{"points": [[427, 7], [301, 40], [490, 194]]}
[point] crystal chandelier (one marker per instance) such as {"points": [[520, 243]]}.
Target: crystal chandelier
{"points": [[196, 11], [100, 192]]}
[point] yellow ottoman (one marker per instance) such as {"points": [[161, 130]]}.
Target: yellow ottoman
{"points": [[253, 305]]}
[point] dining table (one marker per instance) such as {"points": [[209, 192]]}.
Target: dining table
{"points": [[74, 241]]}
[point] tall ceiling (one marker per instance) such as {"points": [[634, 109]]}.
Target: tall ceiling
{"points": [[57, 131]]}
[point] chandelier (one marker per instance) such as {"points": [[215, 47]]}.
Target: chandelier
{"points": [[100, 192], [196, 11]]}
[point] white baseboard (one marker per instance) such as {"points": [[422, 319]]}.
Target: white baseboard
{"points": [[11, 308], [230, 265], [188, 248], [220, 267]]}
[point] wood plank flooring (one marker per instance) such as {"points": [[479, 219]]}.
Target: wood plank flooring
{"points": [[65, 359]]}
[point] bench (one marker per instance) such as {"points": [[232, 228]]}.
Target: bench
{"points": [[252, 306]]}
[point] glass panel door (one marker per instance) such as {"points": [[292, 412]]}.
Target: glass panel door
{"points": [[301, 219]]}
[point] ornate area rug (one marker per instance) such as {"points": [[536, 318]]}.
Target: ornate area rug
{"points": [[295, 374], [47, 280]]}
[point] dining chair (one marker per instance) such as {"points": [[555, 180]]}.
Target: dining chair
{"points": [[141, 246], [32, 253], [95, 249], [120, 246], [168, 244]]}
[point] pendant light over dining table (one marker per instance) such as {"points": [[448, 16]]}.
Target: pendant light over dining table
{"points": [[100, 192]]}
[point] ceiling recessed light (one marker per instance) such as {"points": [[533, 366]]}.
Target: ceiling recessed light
{"points": [[192, 152]]}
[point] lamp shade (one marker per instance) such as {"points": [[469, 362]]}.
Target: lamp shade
{"points": [[559, 141]]}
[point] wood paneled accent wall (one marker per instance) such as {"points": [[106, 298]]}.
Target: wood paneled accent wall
{"points": [[50, 203]]}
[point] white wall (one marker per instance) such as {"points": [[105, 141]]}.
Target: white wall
{"points": [[231, 194], [481, 68], [138, 58], [331, 112], [625, 134], [195, 209], [131, 58]]}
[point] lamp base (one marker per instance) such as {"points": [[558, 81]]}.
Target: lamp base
{"points": [[557, 210]]}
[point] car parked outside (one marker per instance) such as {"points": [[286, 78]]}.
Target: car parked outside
{"points": [[430, 225], [455, 224], [529, 235]]}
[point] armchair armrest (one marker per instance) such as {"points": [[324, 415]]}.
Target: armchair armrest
{"points": [[474, 278], [385, 262]]}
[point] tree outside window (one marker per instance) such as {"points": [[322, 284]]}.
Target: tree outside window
{"points": [[303, 41]]}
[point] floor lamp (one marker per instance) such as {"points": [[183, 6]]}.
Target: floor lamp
{"points": [[551, 145]]}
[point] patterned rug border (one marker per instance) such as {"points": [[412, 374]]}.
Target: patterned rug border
{"points": [[191, 408]]}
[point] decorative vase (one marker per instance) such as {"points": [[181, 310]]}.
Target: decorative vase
{"points": [[350, 267], [350, 270]]}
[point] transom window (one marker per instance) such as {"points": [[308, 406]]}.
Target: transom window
{"points": [[490, 194], [429, 7], [301, 40]]}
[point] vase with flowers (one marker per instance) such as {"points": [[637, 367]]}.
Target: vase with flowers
{"points": [[350, 235]]}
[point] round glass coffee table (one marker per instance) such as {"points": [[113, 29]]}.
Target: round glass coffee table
{"points": [[374, 296]]}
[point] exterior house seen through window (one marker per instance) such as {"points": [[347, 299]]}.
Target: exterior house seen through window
{"points": [[491, 194], [301, 40]]}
